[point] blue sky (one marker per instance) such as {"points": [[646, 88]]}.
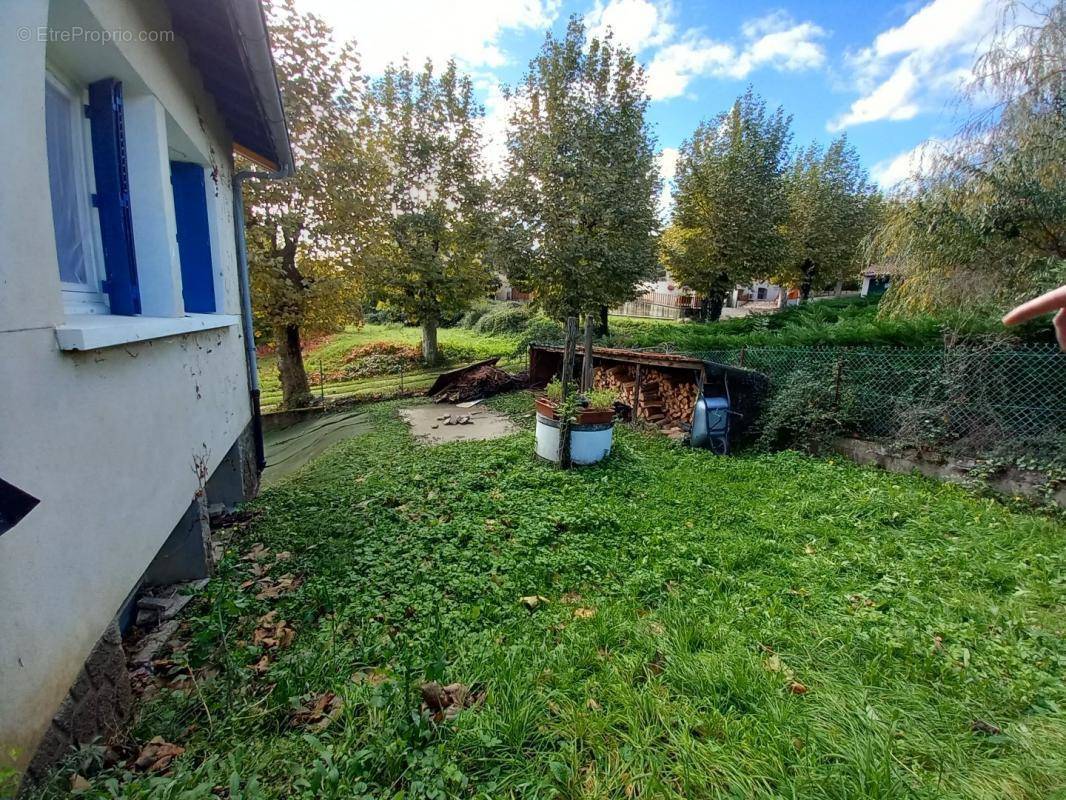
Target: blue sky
{"points": [[886, 73]]}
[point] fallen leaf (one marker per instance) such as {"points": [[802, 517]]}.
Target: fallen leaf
{"points": [[571, 598], [773, 663], [445, 702], [797, 688], [584, 613], [157, 755], [274, 588], [284, 555], [318, 711], [256, 553], [980, 726], [809, 549], [272, 633], [261, 666], [593, 705], [375, 676], [79, 784]]}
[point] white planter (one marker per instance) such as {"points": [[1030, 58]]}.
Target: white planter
{"points": [[588, 443]]}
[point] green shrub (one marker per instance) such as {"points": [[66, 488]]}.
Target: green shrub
{"points": [[471, 316], [600, 399], [540, 330], [806, 412], [512, 318]]}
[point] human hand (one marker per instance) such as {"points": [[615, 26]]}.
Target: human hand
{"points": [[1055, 300]]}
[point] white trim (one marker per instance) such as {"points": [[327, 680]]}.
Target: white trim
{"points": [[93, 332]]}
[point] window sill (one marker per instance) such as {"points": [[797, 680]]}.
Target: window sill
{"points": [[96, 331]]}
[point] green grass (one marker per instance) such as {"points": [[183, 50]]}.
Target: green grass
{"points": [[458, 346], [847, 321], [908, 610]]}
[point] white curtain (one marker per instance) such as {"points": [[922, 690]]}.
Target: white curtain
{"points": [[63, 179]]}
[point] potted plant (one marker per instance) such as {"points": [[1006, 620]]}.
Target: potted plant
{"points": [[591, 415]]}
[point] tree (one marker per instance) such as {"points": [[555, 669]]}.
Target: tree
{"points": [[832, 207], [308, 235], [729, 203], [431, 264], [984, 224], [577, 215]]}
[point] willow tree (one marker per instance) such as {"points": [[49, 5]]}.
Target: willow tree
{"points": [[984, 224], [308, 236], [832, 207], [431, 265], [577, 205], [730, 205]]}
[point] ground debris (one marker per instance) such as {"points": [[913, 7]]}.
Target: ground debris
{"points": [[980, 726], [475, 382], [156, 755], [272, 588], [317, 711], [445, 702], [272, 633], [532, 601]]}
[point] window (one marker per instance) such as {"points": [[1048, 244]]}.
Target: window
{"points": [[74, 220]]}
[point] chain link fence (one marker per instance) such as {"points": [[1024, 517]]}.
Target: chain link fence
{"points": [[973, 397]]}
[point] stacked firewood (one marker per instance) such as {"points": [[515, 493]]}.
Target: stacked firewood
{"points": [[666, 400]]}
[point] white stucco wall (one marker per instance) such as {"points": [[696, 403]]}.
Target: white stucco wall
{"points": [[107, 439]]}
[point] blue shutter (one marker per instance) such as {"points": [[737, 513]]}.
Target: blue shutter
{"points": [[112, 198], [194, 237]]}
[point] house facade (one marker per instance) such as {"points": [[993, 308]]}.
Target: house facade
{"points": [[129, 390]]}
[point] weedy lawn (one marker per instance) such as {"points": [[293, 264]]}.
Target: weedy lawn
{"points": [[665, 625], [458, 346]]}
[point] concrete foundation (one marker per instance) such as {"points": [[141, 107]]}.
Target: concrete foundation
{"points": [[95, 708], [236, 478], [1013, 482]]}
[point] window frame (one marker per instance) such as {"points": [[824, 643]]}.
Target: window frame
{"points": [[88, 297]]}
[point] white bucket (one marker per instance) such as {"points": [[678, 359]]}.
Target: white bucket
{"points": [[588, 443]]}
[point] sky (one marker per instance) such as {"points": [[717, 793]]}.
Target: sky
{"points": [[886, 73]]}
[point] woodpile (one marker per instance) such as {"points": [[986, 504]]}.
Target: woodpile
{"points": [[665, 399]]}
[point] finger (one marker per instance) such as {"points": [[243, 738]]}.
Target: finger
{"points": [[1051, 301], [1060, 328]]}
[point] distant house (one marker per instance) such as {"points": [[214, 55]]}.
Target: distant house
{"points": [[762, 293], [129, 390]]}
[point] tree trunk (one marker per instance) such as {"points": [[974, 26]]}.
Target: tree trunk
{"points": [[586, 359], [705, 304], [567, 378], [430, 351], [782, 297], [603, 329], [808, 281], [839, 288], [295, 391], [714, 308]]}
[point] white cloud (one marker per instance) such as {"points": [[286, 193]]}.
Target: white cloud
{"points": [[676, 65], [498, 110], [774, 41], [897, 172], [667, 170], [912, 66], [636, 24], [386, 31]]}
